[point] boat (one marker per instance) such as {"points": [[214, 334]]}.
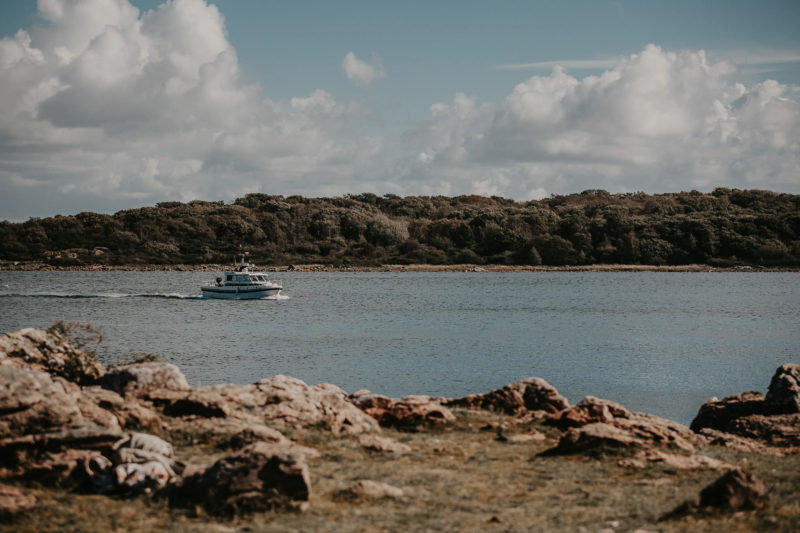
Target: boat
{"points": [[244, 282]]}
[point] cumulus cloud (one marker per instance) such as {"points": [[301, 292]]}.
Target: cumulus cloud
{"points": [[103, 102], [360, 72], [656, 121], [103, 107]]}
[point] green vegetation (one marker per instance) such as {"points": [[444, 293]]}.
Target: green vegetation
{"points": [[725, 228]]}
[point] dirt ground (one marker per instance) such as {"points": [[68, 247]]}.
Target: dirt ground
{"points": [[462, 478]]}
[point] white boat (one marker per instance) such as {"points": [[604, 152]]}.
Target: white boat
{"points": [[242, 283]]}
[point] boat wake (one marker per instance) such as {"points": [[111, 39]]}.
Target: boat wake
{"points": [[167, 296]]}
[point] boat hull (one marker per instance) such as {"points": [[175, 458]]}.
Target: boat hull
{"points": [[240, 293]]}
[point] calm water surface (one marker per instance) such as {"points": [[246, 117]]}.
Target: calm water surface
{"points": [[656, 342]]}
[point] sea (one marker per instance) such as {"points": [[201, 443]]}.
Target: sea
{"points": [[657, 342]]}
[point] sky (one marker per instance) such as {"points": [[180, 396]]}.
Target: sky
{"points": [[114, 104]]}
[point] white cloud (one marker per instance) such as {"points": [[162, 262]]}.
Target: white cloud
{"points": [[106, 103], [361, 72], [103, 107], [565, 63], [657, 121]]}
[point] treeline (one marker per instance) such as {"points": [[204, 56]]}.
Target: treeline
{"points": [[724, 228]]}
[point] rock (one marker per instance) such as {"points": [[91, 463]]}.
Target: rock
{"points": [[718, 414], [138, 378], [620, 435], [733, 491], [526, 437], [600, 425], [593, 437], [13, 501], [407, 413], [773, 419], [70, 463], [33, 402], [85, 435], [48, 351], [366, 488], [590, 410], [202, 403], [532, 394], [776, 430], [729, 440], [43, 413], [680, 462], [259, 477], [130, 414], [383, 444], [279, 400], [783, 395]]}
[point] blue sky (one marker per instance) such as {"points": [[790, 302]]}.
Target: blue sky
{"points": [[438, 97]]}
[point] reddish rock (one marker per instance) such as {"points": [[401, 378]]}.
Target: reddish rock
{"points": [[408, 413], [775, 430], [532, 394], [130, 414], [680, 462], [58, 466], [13, 501], [774, 419], [48, 351], [729, 440], [599, 425], [369, 489], [279, 400], [597, 437], [138, 378], [635, 432], [202, 403], [590, 410], [383, 444], [718, 414], [733, 491], [35, 402], [259, 477], [784, 389]]}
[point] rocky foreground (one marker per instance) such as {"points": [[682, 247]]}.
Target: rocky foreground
{"points": [[134, 447]]}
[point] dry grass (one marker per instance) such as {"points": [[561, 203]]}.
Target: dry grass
{"points": [[459, 479]]}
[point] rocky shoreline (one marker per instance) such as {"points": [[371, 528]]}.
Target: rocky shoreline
{"points": [[34, 266], [134, 447]]}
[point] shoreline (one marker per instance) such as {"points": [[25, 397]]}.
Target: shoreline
{"points": [[35, 266], [87, 447]]}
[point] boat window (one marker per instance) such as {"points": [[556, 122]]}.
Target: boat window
{"points": [[229, 277]]}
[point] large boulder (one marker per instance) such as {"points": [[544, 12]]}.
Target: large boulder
{"points": [[773, 419], [718, 414], [280, 400], [49, 351], [408, 413], [775, 430], [590, 410], [40, 413], [596, 425], [259, 477], [35, 402], [532, 394], [783, 395], [138, 379], [130, 414], [733, 491]]}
